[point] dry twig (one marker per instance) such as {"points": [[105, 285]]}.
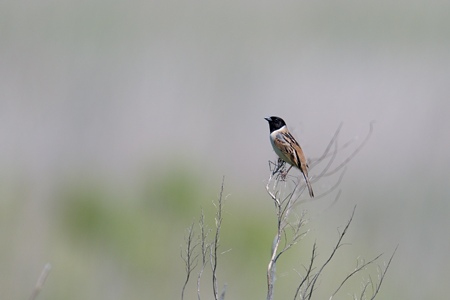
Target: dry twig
{"points": [[41, 280]]}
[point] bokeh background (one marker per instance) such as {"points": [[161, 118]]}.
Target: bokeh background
{"points": [[118, 120]]}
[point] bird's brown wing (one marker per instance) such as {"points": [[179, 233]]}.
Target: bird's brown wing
{"points": [[292, 150], [294, 154]]}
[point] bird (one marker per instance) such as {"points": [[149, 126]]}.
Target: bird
{"points": [[287, 148]]}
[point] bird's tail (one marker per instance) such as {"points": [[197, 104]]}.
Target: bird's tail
{"points": [[308, 184]]}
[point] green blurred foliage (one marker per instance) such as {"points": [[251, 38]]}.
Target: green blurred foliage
{"points": [[140, 235], [126, 243], [130, 227]]}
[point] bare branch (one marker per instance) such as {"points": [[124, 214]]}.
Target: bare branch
{"points": [[364, 289], [189, 257], [354, 153], [41, 280], [327, 149], [283, 206], [204, 231], [200, 251], [383, 274], [222, 295], [356, 270], [329, 164], [309, 269], [333, 252], [329, 169], [215, 243]]}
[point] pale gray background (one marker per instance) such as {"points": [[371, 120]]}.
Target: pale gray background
{"points": [[105, 87]]}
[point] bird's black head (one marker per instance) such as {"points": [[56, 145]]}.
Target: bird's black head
{"points": [[275, 123]]}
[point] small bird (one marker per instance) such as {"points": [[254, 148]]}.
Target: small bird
{"points": [[287, 148]]}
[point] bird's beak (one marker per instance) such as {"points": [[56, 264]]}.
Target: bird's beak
{"points": [[268, 119]]}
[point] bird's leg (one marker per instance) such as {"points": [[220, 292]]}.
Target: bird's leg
{"points": [[279, 166], [284, 173]]}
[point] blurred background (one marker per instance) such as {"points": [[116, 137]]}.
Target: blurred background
{"points": [[118, 120]]}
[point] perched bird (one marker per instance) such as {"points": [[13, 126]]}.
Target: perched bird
{"points": [[287, 148]]}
